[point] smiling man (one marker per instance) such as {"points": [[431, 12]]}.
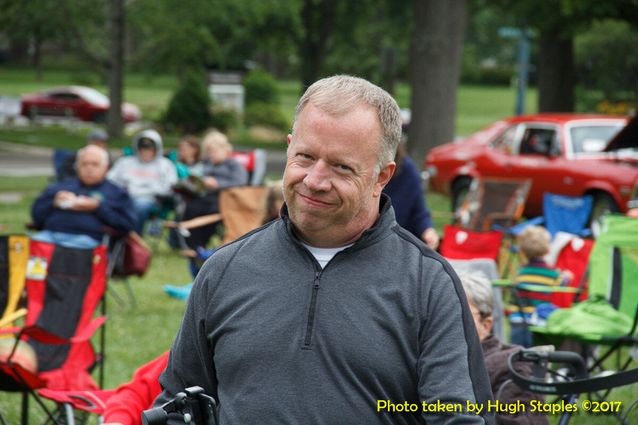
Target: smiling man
{"points": [[319, 316]]}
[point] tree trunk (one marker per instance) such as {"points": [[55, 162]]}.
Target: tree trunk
{"points": [[37, 56], [116, 68], [555, 72], [435, 62], [318, 20]]}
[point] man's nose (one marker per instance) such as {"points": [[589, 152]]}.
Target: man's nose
{"points": [[318, 177]]}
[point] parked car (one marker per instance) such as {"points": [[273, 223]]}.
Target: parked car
{"points": [[567, 154], [83, 103]]}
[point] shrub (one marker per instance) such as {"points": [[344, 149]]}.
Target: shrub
{"points": [[260, 87], [189, 108], [224, 119], [265, 114]]}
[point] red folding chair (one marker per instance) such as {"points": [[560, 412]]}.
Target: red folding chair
{"points": [[573, 256], [462, 244], [64, 288]]}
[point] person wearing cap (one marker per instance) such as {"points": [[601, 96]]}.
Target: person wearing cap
{"points": [[147, 175], [67, 170]]}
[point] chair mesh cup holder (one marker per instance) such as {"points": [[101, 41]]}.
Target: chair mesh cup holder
{"points": [[192, 405]]}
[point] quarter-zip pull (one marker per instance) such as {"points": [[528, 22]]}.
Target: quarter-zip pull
{"points": [[312, 310]]}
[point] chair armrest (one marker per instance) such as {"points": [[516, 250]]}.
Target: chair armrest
{"points": [[13, 317], [87, 332], [200, 221], [45, 337]]}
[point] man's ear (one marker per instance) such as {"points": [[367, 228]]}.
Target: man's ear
{"points": [[384, 177], [289, 139]]}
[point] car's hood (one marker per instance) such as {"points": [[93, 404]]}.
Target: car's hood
{"points": [[627, 138]]}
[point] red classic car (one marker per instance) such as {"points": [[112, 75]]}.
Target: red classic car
{"points": [[83, 103], [567, 154]]}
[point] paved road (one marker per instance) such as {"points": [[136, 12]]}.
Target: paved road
{"points": [[19, 161]]}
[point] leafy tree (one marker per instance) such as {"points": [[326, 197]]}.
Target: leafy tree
{"points": [[189, 108], [604, 62], [557, 22], [32, 23], [260, 86]]}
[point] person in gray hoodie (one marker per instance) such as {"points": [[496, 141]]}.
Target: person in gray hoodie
{"points": [[146, 175], [333, 313]]}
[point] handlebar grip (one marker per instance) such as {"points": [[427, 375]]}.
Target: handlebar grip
{"points": [[156, 416], [571, 358]]}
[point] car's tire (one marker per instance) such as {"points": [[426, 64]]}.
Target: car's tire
{"points": [[460, 188], [603, 204], [100, 117], [33, 112]]}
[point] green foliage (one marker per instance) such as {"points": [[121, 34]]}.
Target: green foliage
{"points": [[260, 87], [224, 119], [189, 108], [604, 61], [498, 76], [266, 114]]}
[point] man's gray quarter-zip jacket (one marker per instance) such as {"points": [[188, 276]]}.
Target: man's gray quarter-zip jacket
{"points": [[278, 340]]}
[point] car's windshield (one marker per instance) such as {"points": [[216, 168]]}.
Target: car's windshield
{"points": [[592, 138], [94, 96]]}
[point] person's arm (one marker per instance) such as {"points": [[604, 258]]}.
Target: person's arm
{"points": [[191, 360], [131, 399], [117, 211], [450, 367], [43, 205], [168, 177], [420, 218], [234, 175]]}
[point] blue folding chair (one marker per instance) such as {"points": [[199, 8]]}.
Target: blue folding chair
{"points": [[562, 213]]}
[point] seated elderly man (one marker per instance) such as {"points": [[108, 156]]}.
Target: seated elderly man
{"points": [[77, 212]]}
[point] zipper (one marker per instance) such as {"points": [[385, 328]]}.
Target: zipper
{"points": [[312, 310]]}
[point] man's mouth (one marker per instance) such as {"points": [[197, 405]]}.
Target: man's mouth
{"points": [[315, 201]]}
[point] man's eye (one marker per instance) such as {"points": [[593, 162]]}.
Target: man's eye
{"points": [[343, 167], [304, 156]]}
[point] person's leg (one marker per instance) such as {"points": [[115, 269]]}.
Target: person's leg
{"points": [[199, 236], [143, 210]]}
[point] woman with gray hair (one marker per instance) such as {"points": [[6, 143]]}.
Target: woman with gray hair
{"points": [[478, 290]]}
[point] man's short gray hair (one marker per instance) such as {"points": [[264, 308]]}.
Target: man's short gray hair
{"points": [[341, 93], [478, 290], [104, 155]]}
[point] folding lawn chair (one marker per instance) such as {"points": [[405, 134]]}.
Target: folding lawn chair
{"points": [[571, 253], [64, 287], [561, 213], [608, 318], [488, 268], [254, 161], [14, 254], [242, 209], [462, 244], [491, 202], [142, 389]]}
